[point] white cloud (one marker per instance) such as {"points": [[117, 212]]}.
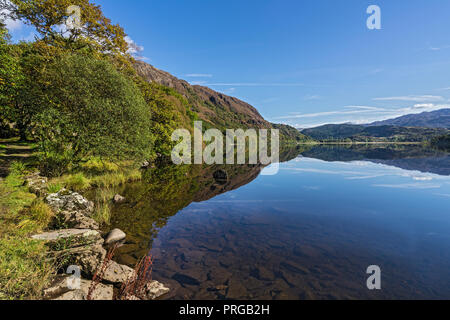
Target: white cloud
{"points": [[11, 25], [422, 98], [255, 84], [135, 50], [198, 75], [312, 97]]}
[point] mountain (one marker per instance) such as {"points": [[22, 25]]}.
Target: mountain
{"points": [[373, 133], [217, 110], [433, 119]]}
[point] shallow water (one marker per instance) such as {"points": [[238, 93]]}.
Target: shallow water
{"points": [[309, 232]]}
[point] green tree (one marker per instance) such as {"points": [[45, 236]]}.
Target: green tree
{"points": [[91, 110], [49, 17]]}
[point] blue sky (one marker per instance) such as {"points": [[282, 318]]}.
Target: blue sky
{"points": [[302, 63]]}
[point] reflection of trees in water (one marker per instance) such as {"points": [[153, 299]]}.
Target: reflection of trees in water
{"points": [[167, 189]]}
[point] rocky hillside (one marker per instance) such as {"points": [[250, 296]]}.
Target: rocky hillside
{"points": [[215, 109], [434, 119]]}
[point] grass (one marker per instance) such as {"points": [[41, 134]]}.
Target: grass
{"points": [[24, 269], [101, 177]]}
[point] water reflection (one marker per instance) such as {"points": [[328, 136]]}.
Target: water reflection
{"points": [[224, 232]]}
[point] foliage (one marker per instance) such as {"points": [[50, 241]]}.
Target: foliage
{"points": [[92, 110], [349, 133], [49, 18]]}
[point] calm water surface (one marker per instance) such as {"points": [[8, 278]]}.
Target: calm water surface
{"points": [[309, 232]]}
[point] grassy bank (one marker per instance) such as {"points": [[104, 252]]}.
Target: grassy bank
{"points": [[24, 267]]}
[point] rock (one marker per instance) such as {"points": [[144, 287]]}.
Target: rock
{"points": [[117, 273], [60, 290], [264, 274], [154, 290], [69, 201], [118, 198], [74, 220], [236, 290], [70, 238], [191, 277], [145, 165], [72, 295], [114, 236], [221, 176], [89, 259], [37, 184]]}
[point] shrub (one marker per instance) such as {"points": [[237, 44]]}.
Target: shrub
{"points": [[18, 168], [92, 111]]}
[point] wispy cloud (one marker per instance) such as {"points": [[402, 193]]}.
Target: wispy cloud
{"points": [[255, 84], [312, 97], [198, 75], [409, 186], [356, 115], [432, 48], [422, 98]]}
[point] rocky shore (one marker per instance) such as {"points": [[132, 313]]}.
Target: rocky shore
{"points": [[86, 271]]}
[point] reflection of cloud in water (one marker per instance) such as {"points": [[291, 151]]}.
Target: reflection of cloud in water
{"points": [[408, 186], [371, 170]]}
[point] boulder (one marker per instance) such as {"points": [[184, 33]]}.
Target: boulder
{"points": [[114, 236], [118, 198], [36, 184], [60, 290], [154, 290], [70, 238], [74, 220], [89, 259], [69, 201], [117, 273]]}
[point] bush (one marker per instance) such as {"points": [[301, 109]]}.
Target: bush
{"points": [[18, 168], [93, 111]]}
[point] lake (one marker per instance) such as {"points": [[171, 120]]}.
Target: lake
{"points": [[308, 232]]}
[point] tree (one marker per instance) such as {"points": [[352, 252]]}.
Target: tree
{"points": [[11, 79], [92, 110], [49, 18]]}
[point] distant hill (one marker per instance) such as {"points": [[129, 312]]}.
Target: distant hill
{"points": [[373, 133], [433, 119]]}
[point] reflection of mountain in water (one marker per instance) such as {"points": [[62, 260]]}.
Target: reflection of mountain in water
{"points": [[408, 157], [165, 191]]}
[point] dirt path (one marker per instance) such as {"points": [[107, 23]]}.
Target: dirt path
{"points": [[14, 150]]}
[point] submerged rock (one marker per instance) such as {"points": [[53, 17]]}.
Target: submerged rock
{"points": [[221, 176], [114, 236]]}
